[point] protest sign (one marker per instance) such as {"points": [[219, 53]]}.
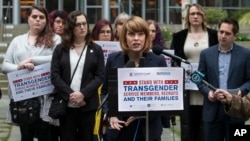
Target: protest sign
{"points": [[27, 84], [167, 58], [189, 69], [108, 47]]}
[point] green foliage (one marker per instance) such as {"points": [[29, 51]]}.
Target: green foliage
{"points": [[242, 37], [237, 14], [166, 33], [214, 15], [245, 19]]}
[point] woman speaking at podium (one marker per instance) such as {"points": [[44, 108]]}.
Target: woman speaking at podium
{"points": [[135, 44]]}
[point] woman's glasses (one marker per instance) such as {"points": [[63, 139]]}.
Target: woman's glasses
{"points": [[105, 32], [195, 13], [38, 16], [59, 22], [84, 24]]}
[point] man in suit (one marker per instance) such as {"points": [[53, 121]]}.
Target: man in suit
{"points": [[226, 66]]}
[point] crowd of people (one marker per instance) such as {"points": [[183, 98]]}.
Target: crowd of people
{"points": [[79, 74]]}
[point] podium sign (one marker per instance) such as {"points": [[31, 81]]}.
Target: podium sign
{"points": [[150, 89]]}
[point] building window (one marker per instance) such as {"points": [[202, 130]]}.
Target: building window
{"points": [[25, 6], [175, 12], [94, 10], [7, 11], [152, 9]]}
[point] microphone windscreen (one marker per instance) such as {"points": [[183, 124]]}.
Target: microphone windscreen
{"points": [[197, 77], [142, 62], [157, 49], [130, 64], [103, 101]]}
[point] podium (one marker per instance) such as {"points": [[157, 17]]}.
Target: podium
{"points": [[113, 90]]}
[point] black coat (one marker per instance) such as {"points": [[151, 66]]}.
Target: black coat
{"points": [[119, 60], [179, 39], [92, 75]]}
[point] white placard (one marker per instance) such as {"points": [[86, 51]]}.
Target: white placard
{"points": [[108, 47], [27, 84], [189, 85], [150, 89], [168, 59]]}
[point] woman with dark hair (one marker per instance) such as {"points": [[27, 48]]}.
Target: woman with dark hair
{"points": [[77, 70], [27, 51], [103, 31], [57, 21], [155, 33], [157, 39]]}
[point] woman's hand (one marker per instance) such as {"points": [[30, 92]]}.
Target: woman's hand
{"points": [[77, 98], [26, 64], [29, 66], [115, 123]]}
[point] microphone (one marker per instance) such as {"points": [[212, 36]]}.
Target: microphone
{"points": [[142, 62], [103, 101], [157, 49], [197, 77], [129, 64]]}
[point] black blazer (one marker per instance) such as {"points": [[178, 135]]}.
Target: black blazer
{"points": [[92, 75], [179, 39], [119, 60]]}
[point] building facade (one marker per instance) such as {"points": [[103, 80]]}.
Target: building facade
{"points": [[163, 11]]}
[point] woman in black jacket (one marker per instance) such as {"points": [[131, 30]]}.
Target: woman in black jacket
{"points": [[188, 44], [77, 70]]}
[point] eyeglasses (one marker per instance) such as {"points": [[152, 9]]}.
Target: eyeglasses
{"points": [[36, 16], [59, 22], [195, 13], [105, 32], [84, 24]]}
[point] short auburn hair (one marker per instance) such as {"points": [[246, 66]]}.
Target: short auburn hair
{"points": [[135, 24]]}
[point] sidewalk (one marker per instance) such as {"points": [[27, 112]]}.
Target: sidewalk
{"points": [[167, 134], [5, 128], [7, 132], [12, 133]]}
